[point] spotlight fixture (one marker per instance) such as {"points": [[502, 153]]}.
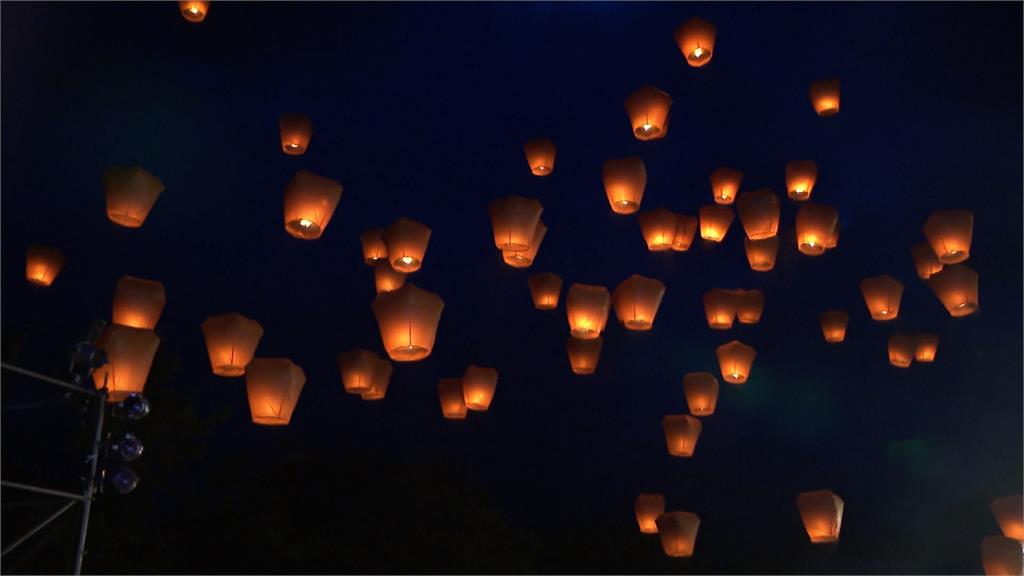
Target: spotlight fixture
{"points": [[124, 479], [133, 407], [124, 446]]}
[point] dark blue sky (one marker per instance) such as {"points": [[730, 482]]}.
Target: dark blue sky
{"points": [[421, 111]]}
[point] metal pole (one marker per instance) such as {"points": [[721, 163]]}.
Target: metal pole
{"points": [[49, 380], [90, 484], [41, 490], [38, 527]]}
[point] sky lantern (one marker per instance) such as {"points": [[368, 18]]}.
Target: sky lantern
{"points": [[624, 182], [453, 404], [648, 110], [678, 533], [833, 325], [681, 433], [701, 392], [406, 241], [131, 193], [735, 359], [362, 371], [824, 95], [42, 264], [515, 220], [387, 279], [540, 155], [273, 386], [822, 514], [759, 213], [309, 203], [720, 308], [696, 40], [524, 258], [379, 389], [130, 353], [927, 347], [686, 228], [478, 386], [194, 11], [231, 341], [957, 289], [901, 349], [925, 261], [408, 319], [1001, 556], [749, 306], [648, 507], [761, 254], [296, 132], [817, 228], [800, 178], [545, 288], [583, 354], [658, 227], [374, 248], [138, 302], [636, 300], [586, 306], [882, 294], [725, 184], [1009, 513], [715, 221], [949, 232]]}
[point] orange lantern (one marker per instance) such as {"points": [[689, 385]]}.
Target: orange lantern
{"points": [[761, 254], [624, 182], [800, 178], [583, 354], [686, 228], [720, 308], [822, 514], [1002, 556], [749, 306], [309, 203], [636, 300], [478, 385], [379, 390], [927, 347], [949, 232], [453, 404], [130, 353], [882, 294], [296, 132], [587, 309], [406, 241], [523, 259], [42, 264], [515, 220], [824, 95], [725, 184], [701, 392], [138, 302], [273, 386], [925, 261], [957, 289], [193, 11], [714, 222], [1009, 513], [817, 228], [540, 155], [545, 289], [833, 325], [759, 213], [678, 533], [901, 349], [681, 433], [387, 279], [408, 319], [131, 193], [659, 229], [735, 359], [363, 371], [231, 341], [374, 248], [696, 40], [648, 507], [648, 110]]}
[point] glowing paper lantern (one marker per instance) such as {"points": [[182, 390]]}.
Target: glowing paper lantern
{"points": [[824, 95], [800, 178], [925, 261], [545, 289], [540, 155], [720, 308], [387, 279], [273, 386], [583, 354], [957, 289], [449, 392], [735, 359], [523, 259], [725, 184], [374, 248], [696, 40], [678, 533], [636, 300], [43, 264], [515, 220], [927, 347], [648, 110], [715, 221], [822, 515], [1002, 556], [817, 228], [749, 306], [648, 507], [658, 228], [193, 11], [949, 232], [759, 213], [408, 319], [882, 294], [296, 132], [378, 392], [624, 182], [131, 193], [686, 228], [406, 241], [363, 371], [478, 386], [130, 353], [761, 254], [587, 309], [833, 325], [901, 349], [231, 341], [309, 203], [138, 302], [681, 433], [379, 383], [701, 392], [1009, 513]]}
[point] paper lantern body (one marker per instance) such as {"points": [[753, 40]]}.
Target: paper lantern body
{"points": [[138, 302], [648, 507], [749, 306], [696, 40], [735, 359], [658, 228], [925, 261], [882, 295], [720, 308], [309, 203], [131, 193], [817, 228], [408, 319], [725, 184], [927, 347], [379, 387], [624, 182], [193, 11], [406, 242], [525, 258], [363, 371], [587, 309], [478, 386], [715, 221], [681, 434], [296, 132], [833, 325], [957, 288], [949, 233], [800, 178], [824, 95], [374, 248], [584, 354], [449, 392], [545, 290], [686, 229], [514, 220], [648, 111], [1009, 513], [901, 349], [130, 353], [822, 515], [43, 264], [387, 279], [540, 155], [701, 393], [636, 300], [761, 254], [273, 386], [1002, 556], [678, 533], [231, 341], [759, 213]]}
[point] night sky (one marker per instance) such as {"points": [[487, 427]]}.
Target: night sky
{"points": [[421, 111]]}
